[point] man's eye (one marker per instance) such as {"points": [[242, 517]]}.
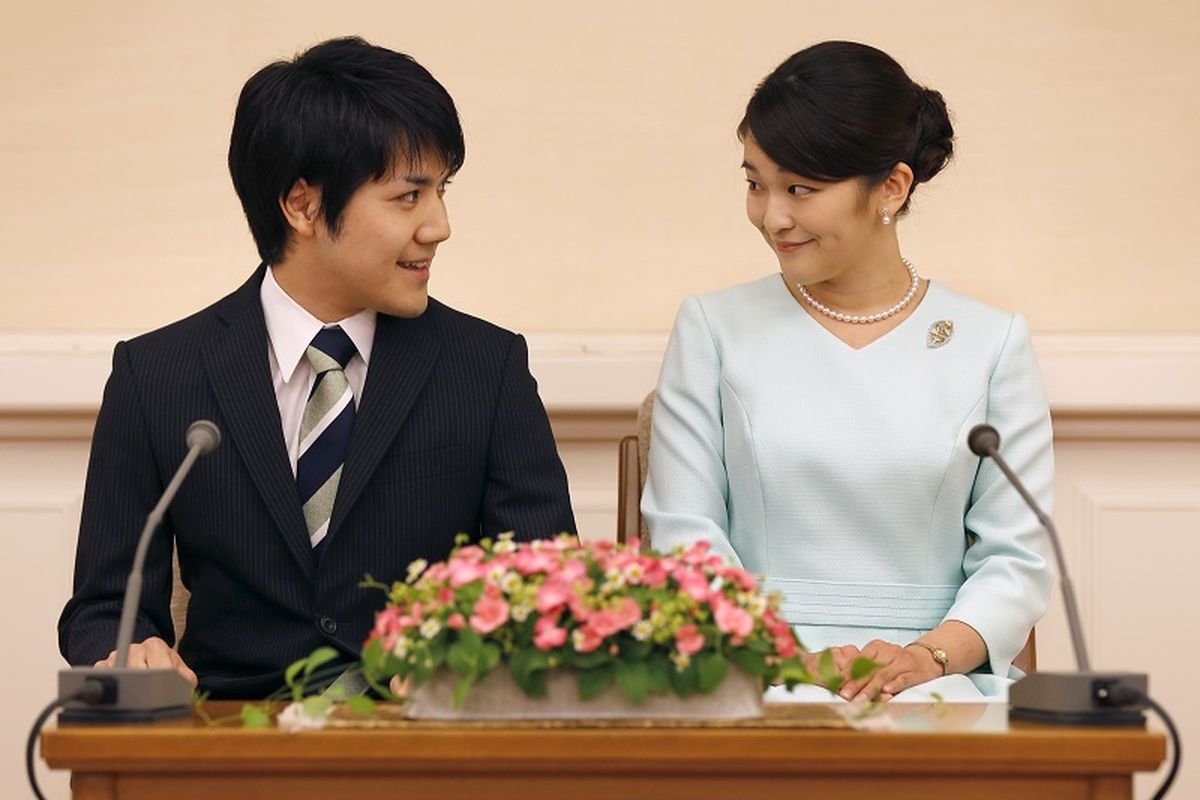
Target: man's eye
{"points": [[409, 197]]}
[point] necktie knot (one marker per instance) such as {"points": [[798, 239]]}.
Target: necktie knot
{"points": [[330, 349]]}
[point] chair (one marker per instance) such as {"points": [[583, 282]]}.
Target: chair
{"points": [[632, 456]]}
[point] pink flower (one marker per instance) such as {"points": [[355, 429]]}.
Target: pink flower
{"points": [[490, 613], [386, 621], [732, 620], [774, 624], [785, 645], [553, 594], [740, 578], [547, 635], [528, 562], [655, 575], [694, 583], [456, 622], [464, 572], [628, 612], [585, 639], [689, 640]]}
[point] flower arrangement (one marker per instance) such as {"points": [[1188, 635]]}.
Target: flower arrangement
{"points": [[651, 623]]}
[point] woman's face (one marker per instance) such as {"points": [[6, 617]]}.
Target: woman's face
{"points": [[817, 230]]}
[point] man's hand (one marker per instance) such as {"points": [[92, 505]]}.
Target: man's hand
{"points": [[153, 653]]}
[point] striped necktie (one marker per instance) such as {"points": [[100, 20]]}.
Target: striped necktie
{"points": [[325, 429]]}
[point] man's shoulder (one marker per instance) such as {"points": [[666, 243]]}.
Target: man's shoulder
{"points": [[459, 327], [173, 339]]}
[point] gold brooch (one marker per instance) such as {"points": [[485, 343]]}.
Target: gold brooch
{"points": [[939, 333]]}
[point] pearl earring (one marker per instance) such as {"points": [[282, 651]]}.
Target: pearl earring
{"points": [[887, 217]]}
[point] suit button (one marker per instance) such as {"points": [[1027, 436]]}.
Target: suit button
{"points": [[329, 625]]}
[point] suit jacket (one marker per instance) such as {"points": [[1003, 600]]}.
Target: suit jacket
{"points": [[450, 436]]}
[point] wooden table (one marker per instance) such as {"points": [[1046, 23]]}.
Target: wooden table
{"points": [[958, 751]]}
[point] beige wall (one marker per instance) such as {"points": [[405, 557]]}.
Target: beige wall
{"points": [[601, 183]]}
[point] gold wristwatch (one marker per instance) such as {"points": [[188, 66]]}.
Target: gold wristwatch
{"points": [[939, 655]]}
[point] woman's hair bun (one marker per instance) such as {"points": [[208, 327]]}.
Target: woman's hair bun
{"points": [[934, 136]]}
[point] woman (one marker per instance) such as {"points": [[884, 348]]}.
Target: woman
{"points": [[812, 424]]}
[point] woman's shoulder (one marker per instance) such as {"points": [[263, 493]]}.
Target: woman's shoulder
{"points": [[970, 312], [755, 295]]}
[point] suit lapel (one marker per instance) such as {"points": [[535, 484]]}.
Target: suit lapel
{"points": [[238, 367], [402, 357]]}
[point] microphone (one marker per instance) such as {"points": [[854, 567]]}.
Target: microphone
{"points": [[1083, 697], [138, 695]]}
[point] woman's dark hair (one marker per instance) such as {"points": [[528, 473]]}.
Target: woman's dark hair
{"points": [[339, 114], [841, 110]]}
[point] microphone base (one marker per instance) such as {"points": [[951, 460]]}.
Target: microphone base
{"points": [[131, 696], [1076, 698]]}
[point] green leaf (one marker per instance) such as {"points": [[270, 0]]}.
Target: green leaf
{"points": [[712, 668], [535, 685], [862, 667], [289, 675], [255, 717], [633, 650], [460, 690], [316, 705], [469, 639], [463, 659], [793, 672], [687, 682], [361, 704], [489, 657], [594, 681], [750, 663], [590, 660], [659, 671], [826, 669], [322, 655], [633, 677]]}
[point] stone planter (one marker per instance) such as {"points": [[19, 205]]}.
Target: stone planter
{"points": [[496, 697]]}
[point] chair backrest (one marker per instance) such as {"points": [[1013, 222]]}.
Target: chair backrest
{"points": [[179, 598], [632, 457]]}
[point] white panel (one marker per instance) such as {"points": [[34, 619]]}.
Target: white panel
{"points": [[35, 575]]}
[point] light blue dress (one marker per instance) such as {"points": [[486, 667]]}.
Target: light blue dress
{"points": [[844, 475]]}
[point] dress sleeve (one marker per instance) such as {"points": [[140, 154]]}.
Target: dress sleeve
{"points": [[1008, 567], [687, 488]]}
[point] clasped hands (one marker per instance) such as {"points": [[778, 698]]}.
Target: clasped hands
{"points": [[899, 668]]}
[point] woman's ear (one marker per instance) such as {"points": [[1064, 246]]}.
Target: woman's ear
{"points": [[892, 193], [301, 208]]}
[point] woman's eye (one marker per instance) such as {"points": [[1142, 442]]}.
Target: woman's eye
{"points": [[753, 186], [797, 189]]}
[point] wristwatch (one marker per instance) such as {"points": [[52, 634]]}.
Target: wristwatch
{"points": [[939, 655]]}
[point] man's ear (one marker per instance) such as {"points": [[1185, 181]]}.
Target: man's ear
{"points": [[301, 208], [893, 192]]}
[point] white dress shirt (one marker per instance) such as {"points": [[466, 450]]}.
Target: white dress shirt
{"points": [[290, 330]]}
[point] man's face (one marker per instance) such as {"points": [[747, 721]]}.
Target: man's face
{"points": [[380, 257]]}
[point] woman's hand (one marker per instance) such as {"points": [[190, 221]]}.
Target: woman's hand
{"points": [[900, 668]]}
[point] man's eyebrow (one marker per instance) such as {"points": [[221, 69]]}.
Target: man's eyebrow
{"points": [[418, 180]]}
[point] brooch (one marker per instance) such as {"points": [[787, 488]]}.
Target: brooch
{"points": [[939, 333]]}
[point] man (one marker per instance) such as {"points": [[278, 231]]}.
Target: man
{"points": [[365, 424]]}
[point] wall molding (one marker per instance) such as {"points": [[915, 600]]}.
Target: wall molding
{"points": [[1092, 378]]}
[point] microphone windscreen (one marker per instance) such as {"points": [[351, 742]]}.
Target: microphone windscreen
{"points": [[983, 439], [203, 434]]}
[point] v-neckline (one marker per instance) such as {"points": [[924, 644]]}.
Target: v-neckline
{"points": [[929, 288]]}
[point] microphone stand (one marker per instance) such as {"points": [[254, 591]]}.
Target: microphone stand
{"points": [[122, 693], [1083, 697]]}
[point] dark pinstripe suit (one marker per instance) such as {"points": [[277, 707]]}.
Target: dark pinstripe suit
{"points": [[450, 436]]}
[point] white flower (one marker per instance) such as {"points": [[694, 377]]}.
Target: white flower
{"points": [[430, 628], [295, 718], [634, 573], [495, 574], [521, 611], [757, 605], [681, 660], [506, 543], [716, 584], [510, 583], [416, 568], [643, 630], [400, 650]]}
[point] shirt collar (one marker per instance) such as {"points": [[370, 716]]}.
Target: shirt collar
{"points": [[291, 328]]}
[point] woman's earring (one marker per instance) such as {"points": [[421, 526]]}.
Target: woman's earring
{"points": [[887, 217]]}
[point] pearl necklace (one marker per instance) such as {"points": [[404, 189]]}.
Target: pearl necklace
{"points": [[867, 318]]}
